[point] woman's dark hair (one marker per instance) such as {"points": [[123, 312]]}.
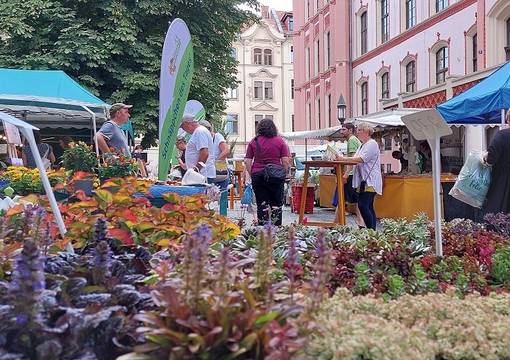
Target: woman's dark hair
{"points": [[267, 128], [66, 140], [37, 136]]}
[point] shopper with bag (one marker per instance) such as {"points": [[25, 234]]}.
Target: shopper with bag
{"points": [[367, 177], [221, 151], [268, 161], [498, 156]]}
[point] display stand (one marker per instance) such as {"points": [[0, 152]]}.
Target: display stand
{"points": [[338, 166], [429, 125]]}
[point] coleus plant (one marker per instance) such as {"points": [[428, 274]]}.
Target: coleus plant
{"points": [[134, 221]]}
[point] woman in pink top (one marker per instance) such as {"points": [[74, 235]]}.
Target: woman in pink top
{"points": [[267, 148]]}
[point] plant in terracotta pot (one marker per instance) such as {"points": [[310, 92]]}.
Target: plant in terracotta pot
{"points": [[81, 162]]}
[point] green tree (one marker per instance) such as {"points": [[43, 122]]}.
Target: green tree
{"points": [[113, 47]]}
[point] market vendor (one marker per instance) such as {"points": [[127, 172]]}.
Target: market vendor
{"points": [[110, 136]]}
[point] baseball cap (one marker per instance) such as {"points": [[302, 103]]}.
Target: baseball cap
{"points": [[118, 106], [188, 118], [206, 124]]}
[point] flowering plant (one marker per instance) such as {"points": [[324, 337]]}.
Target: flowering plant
{"points": [[117, 165], [79, 157]]}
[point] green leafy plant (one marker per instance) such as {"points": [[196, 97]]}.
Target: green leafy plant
{"points": [[79, 157], [500, 271], [362, 280], [116, 166]]}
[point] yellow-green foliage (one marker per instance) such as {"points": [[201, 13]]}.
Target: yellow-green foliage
{"points": [[432, 326]]}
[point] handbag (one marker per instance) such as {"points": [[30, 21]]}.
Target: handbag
{"points": [[46, 162], [275, 173], [363, 183]]}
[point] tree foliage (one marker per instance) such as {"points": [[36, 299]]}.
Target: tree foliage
{"points": [[113, 47]]}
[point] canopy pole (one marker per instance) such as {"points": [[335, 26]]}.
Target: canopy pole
{"points": [[306, 149], [435, 146], [94, 128], [29, 135]]}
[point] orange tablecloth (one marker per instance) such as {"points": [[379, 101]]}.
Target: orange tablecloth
{"points": [[405, 196]]}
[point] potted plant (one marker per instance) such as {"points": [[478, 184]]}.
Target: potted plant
{"points": [[81, 162], [116, 166]]}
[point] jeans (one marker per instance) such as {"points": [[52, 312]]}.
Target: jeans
{"points": [[366, 208], [269, 195]]}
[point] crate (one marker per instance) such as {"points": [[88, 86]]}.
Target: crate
{"points": [[296, 199]]}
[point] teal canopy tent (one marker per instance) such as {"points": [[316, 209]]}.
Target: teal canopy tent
{"points": [[50, 99]]}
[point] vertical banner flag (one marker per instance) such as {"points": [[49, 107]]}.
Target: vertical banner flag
{"points": [[174, 83], [195, 108]]}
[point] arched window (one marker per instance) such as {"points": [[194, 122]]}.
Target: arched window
{"points": [[364, 98], [441, 65], [411, 76], [410, 13], [385, 85], [363, 33], [268, 57], [507, 47], [257, 56], [385, 21]]}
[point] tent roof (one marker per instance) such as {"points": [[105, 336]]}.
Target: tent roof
{"points": [[380, 119], [386, 118], [48, 98], [482, 103]]}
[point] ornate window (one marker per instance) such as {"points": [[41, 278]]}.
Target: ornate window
{"points": [[232, 124], [507, 47], [268, 90], [474, 52], [364, 98], [363, 33], [257, 56], [441, 5], [411, 76], [327, 50], [441, 65], [257, 90], [307, 63], [268, 57], [410, 13], [316, 62], [385, 85], [385, 21]]}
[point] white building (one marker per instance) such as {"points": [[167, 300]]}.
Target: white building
{"points": [[265, 72]]}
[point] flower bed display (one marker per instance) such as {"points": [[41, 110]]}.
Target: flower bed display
{"points": [[432, 326]]}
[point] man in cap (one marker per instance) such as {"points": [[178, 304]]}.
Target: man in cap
{"points": [[221, 151], [111, 136], [200, 149]]}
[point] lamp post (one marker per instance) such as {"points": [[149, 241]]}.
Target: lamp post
{"points": [[341, 109]]}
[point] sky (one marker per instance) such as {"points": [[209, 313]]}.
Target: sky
{"points": [[278, 4]]}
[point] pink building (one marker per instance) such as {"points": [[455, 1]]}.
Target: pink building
{"points": [[419, 53], [321, 62]]}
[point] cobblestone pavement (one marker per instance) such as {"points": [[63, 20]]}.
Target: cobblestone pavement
{"points": [[319, 214]]}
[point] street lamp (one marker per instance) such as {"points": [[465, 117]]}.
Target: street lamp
{"points": [[341, 109]]}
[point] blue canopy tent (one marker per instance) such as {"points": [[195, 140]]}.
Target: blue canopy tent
{"points": [[481, 104], [50, 99]]}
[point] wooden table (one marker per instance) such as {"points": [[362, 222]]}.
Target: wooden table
{"points": [[338, 166]]}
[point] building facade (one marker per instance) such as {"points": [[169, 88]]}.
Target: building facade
{"points": [[321, 63], [420, 53], [266, 79]]}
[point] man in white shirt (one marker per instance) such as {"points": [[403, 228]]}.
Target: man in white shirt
{"points": [[200, 149]]}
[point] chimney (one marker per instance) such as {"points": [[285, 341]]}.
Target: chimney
{"points": [[264, 11]]}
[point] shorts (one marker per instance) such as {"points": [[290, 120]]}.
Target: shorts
{"points": [[350, 195]]}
